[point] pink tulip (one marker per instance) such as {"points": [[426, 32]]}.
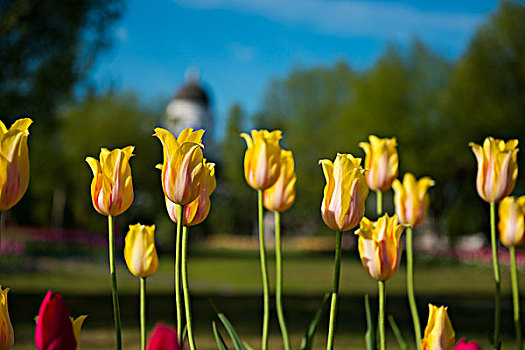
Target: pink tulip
{"points": [[54, 330], [163, 337], [467, 345]]}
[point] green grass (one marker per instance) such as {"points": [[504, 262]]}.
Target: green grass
{"points": [[233, 281]]}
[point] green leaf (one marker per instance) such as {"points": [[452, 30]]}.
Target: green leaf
{"points": [[370, 339], [220, 342], [237, 342], [308, 338], [397, 332]]}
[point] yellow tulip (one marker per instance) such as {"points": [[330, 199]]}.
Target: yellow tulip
{"points": [[139, 250], [14, 162], [77, 326], [497, 168], [112, 187], [7, 337], [345, 192], [380, 246], [281, 195], [262, 158], [439, 334], [183, 168], [197, 211], [411, 199], [512, 221], [381, 162]]}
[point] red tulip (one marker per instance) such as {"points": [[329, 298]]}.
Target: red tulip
{"points": [[467, 345], [163, 337], [54, 330]]}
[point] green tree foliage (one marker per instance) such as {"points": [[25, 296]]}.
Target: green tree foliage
{"points": [[111, 122], [432, 106], [234, 202], [46, 49]]}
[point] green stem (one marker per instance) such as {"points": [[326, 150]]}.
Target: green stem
{"points": [[335, 292], [382, 297], [279, 282], [114, 291], [264, 270], [177, 272], [185, 289], [410, 289], [494, 243], [515, 296], [142, 313], [379, 198]]}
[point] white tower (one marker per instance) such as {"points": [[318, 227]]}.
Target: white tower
{"points": [[190, 108]]}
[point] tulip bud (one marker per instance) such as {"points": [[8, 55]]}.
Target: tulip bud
{"points": [[198, 210], [380, 246], [163, 337], [345, 192], [183, 168], [439, 334], [7, 335], [281, 195], [262, 158], [139, 250], [381, 162], [14, 162], [467, 345], [112, 187], [512, 221], [54, 329], [497, 168], [411, 199]]}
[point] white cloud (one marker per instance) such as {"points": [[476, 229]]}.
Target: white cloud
{"points": [[385, 20], [122, 35], [242, 53]]}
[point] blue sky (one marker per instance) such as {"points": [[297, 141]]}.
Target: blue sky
{"points": [[239, 46]]}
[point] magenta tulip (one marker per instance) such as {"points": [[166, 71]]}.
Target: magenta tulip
{"points": [[54, 330], [163, 337]]}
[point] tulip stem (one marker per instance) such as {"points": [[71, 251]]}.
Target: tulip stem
{"points": [[515, 296], [264, 270], [279, 281], [494, 243], [379, 198], [335, 292], [177, 272], [185, 289], [381, 321], [114, 291], [142, 313], [410, 289]]}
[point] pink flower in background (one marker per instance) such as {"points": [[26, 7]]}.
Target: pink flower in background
{"points": [[163, 337], [467, 345]]}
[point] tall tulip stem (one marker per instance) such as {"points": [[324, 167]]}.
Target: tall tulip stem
{"points": [[494, 243], [114, 291], [142, 313], [279, 281], [381, 321], [185, 288], [410, 289], [2, 225], [177, 272], [264, 271], [335, 292], [379, 205], [515, 296]]}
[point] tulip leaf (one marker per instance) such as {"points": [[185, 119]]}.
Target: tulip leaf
{"points": [[220, 342], [370, 339], [397, 332], [237, 342], [247, 346], [308, 338]]}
